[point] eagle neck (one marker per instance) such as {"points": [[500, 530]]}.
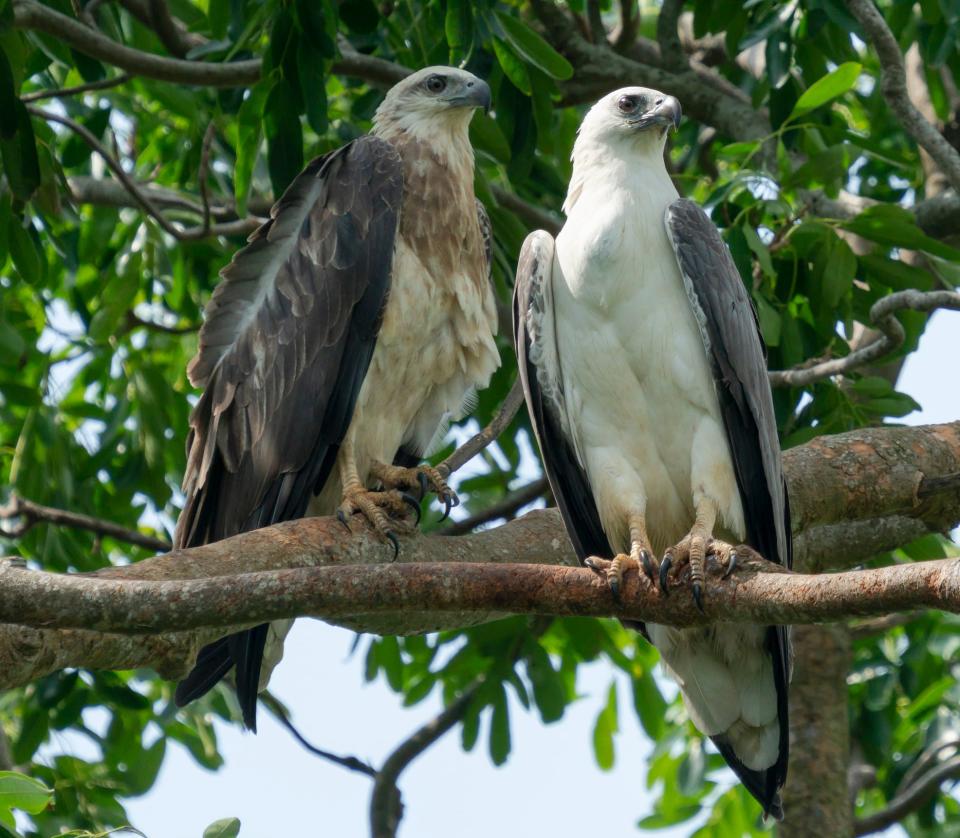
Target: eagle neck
{"points": [[600, 169]]}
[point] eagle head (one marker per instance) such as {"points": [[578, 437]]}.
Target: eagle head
{"points": [[432, 100], [633, 116]]}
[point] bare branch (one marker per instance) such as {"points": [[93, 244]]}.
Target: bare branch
{"points": [[910, 799], [668, 35], [881, 625], [533, 215], [506, 508], [28, 14], [135, 321], [171, 35], [625, 33], [894, 86], [890, 338], [385, 806], [758, 593], [476, 444], [598, 34], [103, 84], [280, 713], [204, 165], [229, 228], [31, 513]]}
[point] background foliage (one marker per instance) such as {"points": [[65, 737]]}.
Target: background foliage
{"points": [[99, 308]]}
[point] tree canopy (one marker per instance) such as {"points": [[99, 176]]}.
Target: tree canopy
{"points": [[142, 140]]}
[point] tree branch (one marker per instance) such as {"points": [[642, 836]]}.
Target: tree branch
{"points": [[476, 443], [228, 228], [28, 14], [534, 216], [103, 84], [31, 513], [890, 338], [501, 509], [891, 464], [894, 86], [881, 625], [910, 799], [668, 35]]}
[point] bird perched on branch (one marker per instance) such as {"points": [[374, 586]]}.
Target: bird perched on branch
{"points": [[355, 323], [645, 376]]}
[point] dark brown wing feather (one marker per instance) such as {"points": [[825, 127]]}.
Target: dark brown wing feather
{"points": [[288, 338], [532, 336], [735, 348]]}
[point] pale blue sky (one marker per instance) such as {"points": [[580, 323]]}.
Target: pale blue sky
{"points": [[550, 785]]}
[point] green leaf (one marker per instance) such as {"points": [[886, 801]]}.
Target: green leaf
{"points": [[500, 728], [249, 133], [20, 161], [223, 828], [827, 88], [25, 251], [533, 48], [458, 29], [284, 136], [512, 65], [650, 706], [485, 135], [8, 98], [603, 730], [18, 791], [312, 70], [896, 227]]}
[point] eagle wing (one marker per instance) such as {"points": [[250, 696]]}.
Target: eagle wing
{"points": [[535, 342], [286, 344], [731, 336]]}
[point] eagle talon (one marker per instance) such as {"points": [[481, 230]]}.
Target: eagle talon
{"points": [[342, 518], [392, 538], [698, 596], [731, 564], [646, 561], [424, 484], [413, 503], [665, 566]]}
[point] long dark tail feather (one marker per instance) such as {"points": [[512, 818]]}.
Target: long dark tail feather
{"points": [[213, 662], [246, 648], [763, 785]]}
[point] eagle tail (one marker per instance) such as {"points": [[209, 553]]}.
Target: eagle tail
{"points": [[243, 650]]}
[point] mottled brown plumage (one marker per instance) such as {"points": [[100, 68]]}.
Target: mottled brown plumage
{"points": [[354, 323]]}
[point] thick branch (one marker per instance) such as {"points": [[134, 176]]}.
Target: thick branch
{"points": [[28, 14], [860, 476], [894, 86], [668, 35], [890, 336]]}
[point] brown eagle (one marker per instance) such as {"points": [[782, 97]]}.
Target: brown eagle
{"points": [[355, 323]]}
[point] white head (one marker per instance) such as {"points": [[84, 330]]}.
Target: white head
{"points": [[627, 127], [431, 102]]}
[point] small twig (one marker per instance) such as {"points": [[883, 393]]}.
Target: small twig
{"points": [[598, 34], [229, 228], [170, 35], [204, 168], [881, 625], [103, 84], [385, 806], [672, 55], [279, 712], [507, 507], [894, 86], [626, 32], [891, 337], [33, 513], [532, 215], [476, 444], [134, 321], [909, 800]]}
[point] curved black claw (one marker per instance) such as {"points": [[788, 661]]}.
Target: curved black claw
{"points": [[342, 518], [646, 561], [614, 584], [665, 566], [424, 484], [698, 596], [731, 564], [413, 503], [392, 537], [446, 507]]}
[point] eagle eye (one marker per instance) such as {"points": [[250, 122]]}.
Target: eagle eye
{"points": [[436, 84], [627, 104]]}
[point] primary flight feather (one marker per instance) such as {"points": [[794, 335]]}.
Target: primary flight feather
{"points": [[645, 377], [340, 340]]}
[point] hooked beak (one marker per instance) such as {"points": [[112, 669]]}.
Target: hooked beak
{"points": [[668, 112], [476, 95]]}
